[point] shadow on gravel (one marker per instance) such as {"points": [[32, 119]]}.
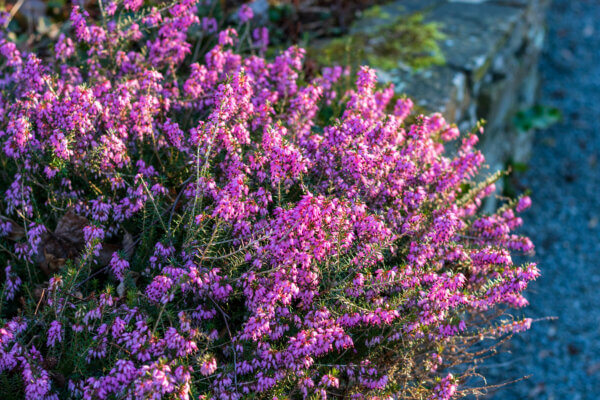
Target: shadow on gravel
{"points": [[562, 356]]}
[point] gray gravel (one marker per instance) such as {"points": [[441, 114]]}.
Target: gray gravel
{"points": [[563, 356]]}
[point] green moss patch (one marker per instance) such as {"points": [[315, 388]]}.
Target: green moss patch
{"points": [[392, 41]]}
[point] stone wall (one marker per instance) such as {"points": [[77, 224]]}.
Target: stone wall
{"points": [[491, 50]]}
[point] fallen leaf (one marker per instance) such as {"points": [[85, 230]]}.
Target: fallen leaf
{"points": [[51, 263], [67, 242], [106, 252], [70, 227], [59, 378]]}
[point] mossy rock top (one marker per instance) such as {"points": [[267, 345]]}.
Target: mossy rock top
{"points": [[431, 49], [386, 38]]}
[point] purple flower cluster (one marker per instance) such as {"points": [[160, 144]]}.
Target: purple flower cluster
{"points": [[276, 251]]}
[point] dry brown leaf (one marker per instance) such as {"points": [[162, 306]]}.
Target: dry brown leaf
{"points": [[106, 252], [67, 242], [108, 249], [70, 227], [50, 263]]}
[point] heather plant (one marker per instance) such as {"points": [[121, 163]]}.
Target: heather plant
{"points": [[181, 220]]}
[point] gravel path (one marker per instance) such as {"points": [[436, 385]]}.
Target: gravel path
{"points": [[563, 356]]}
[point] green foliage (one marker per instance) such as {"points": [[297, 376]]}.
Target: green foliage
{"points": [[536, 117], [511, 187], [12, 387], [279, 12]]}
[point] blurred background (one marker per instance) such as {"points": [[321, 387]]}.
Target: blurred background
{"points": [[562, 356]]}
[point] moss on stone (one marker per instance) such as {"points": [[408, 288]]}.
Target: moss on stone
{"points": [[392, 41]]}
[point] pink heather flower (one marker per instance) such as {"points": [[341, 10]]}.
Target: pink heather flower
{"points": [[209, 25], [80, 24], [4, 17], [435, 122], [261, 38], [35, 236], [227, 37], [403, 108], [111, 7], [37, 380], [450, 133], [523, 204], [366, 79], [50, 172], [245, 13], [246, 208], [436, 361], [54, 333], [12, 283], [5, 228], [445, 389], [208, 367], [330, 381], [132, 5], [158, 290], [514, 327], [118, 265], [64, 48], [92, 233]]}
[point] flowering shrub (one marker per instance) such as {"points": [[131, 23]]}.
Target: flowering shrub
{"points": [[180, 219]]}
